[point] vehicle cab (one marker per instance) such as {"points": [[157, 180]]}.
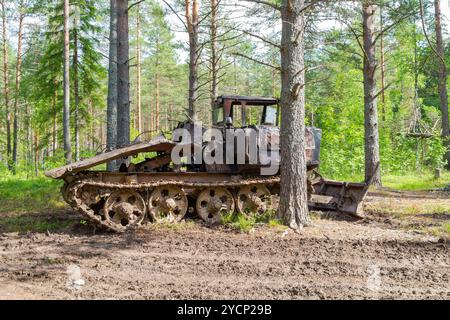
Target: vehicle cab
{"points": [[245, 111]]}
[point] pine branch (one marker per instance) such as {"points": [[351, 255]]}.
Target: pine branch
{"points": [[135, 4], [272, 5], [426, 35], [389, 27], [176, 13], [382, 90], [257, 61], [261, 38]]}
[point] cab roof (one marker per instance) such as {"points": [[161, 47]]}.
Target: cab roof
{"points": [[249, 100]]}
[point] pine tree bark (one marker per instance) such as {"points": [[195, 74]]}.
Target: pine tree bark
{"points": [[123, 75], [17, 93], [111, 112], [157, 88], [66, 110], [293, 208], [76, 93], [29, 139], [442, 86], [55, 123], [36, 153], [157, 102], [138, 71], [214, 60], [383, 69], [192, 19], [372, 149], [6, 85]]}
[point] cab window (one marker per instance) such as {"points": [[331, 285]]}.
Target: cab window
{"points": [[218, 115], [237, 116], [271, 115], [254, 115]]}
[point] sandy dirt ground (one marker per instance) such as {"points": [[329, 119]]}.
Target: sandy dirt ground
{"points": [[338, 258]]}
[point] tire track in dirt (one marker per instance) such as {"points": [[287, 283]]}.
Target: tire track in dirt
{"points": [[334, 260]]}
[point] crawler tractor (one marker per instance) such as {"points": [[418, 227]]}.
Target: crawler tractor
{"points": [[156, 189]]}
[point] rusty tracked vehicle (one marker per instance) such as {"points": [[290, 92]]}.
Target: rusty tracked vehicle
{"points": [[158, 190]]}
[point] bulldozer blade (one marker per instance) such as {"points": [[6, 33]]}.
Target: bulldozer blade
{"points": [[341, 196], [158, 144]]}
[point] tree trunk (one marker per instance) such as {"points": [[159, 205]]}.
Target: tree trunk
{"points": [[214, 60], [274, 77], [157, 103], [111, 112], [36, 154], [76, 93], [54, 102], [383, 70], [193, 26], [157, 88], [29, 139], [93, 128], [123, 74], [66, 111], [372, 149], [169, 114], [6, 85], [138, 72], [293, 207], [235, 75], [17, 94], [442, 87]]}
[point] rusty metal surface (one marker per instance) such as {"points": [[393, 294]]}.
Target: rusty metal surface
{"points": [[158, 144], [104, 184], [90, 192], [189, 179], [341, 196], [84, 191], [150, 164]]}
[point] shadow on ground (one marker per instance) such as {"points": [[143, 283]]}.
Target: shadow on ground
{"points": [[61, 222]]}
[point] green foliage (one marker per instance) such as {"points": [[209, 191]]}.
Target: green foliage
{"points": [[341, 118], [415, 182], [336, 105], [334, 90], [27, 223], [163, 78], [43, 71], [19, 195], [446, 227], [246, 223]]}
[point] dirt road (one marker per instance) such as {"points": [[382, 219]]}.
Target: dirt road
{"points": [[337, 259]]}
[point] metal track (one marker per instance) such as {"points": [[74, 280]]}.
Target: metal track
{"points": [[87, 192], [72, 193]]}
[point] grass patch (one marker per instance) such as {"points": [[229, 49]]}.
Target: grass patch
{"points": [[243, 223], [399, 208], [182, 225], [446, 228], [276, 223], [416, 182], [34, 224], [30, 195], [423, 209], [246, 223], [440, 231]]}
